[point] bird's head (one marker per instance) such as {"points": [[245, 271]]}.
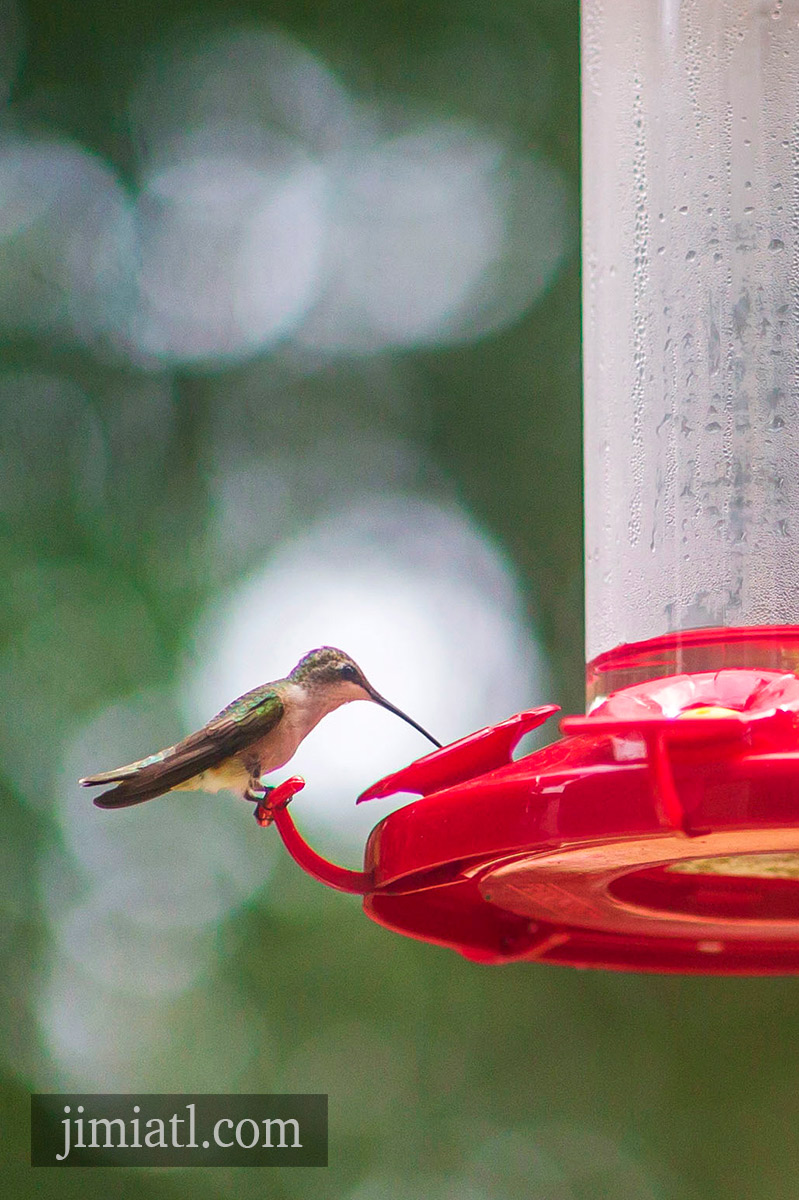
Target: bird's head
{"points": [[339, 677], [329, 668]]}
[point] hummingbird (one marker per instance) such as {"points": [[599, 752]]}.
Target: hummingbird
{"points": [[254, 735]]}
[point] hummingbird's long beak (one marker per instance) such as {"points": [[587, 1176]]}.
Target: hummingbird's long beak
{"points": [[378, 699]]}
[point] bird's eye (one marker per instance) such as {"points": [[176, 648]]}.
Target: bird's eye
{"points": [[348, 672]]}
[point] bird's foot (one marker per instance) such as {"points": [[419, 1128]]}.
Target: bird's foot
{"points": [[257, 793], [279, 797]]}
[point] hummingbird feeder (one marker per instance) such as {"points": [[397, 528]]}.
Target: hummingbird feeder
{"points": [[661, 832]]}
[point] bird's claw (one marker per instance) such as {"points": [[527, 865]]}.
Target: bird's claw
{"points": [[265, 813], [279, 798]]}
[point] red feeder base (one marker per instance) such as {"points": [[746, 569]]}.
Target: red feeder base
{"points": [[660, 834]]}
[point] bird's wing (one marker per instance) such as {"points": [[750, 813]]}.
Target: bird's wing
{"points": [[231, 730]]}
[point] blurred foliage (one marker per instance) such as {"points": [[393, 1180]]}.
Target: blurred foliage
{"points": [[445, 1079]]}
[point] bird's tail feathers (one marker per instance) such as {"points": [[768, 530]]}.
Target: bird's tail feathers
{"points": [[116, 776], [126, 794], [153, 776]]}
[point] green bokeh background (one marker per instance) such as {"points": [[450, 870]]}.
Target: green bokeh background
{"points": [[445, 1079]]}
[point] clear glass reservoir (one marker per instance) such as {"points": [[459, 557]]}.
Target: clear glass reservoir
{"points": [[691, 310]]}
